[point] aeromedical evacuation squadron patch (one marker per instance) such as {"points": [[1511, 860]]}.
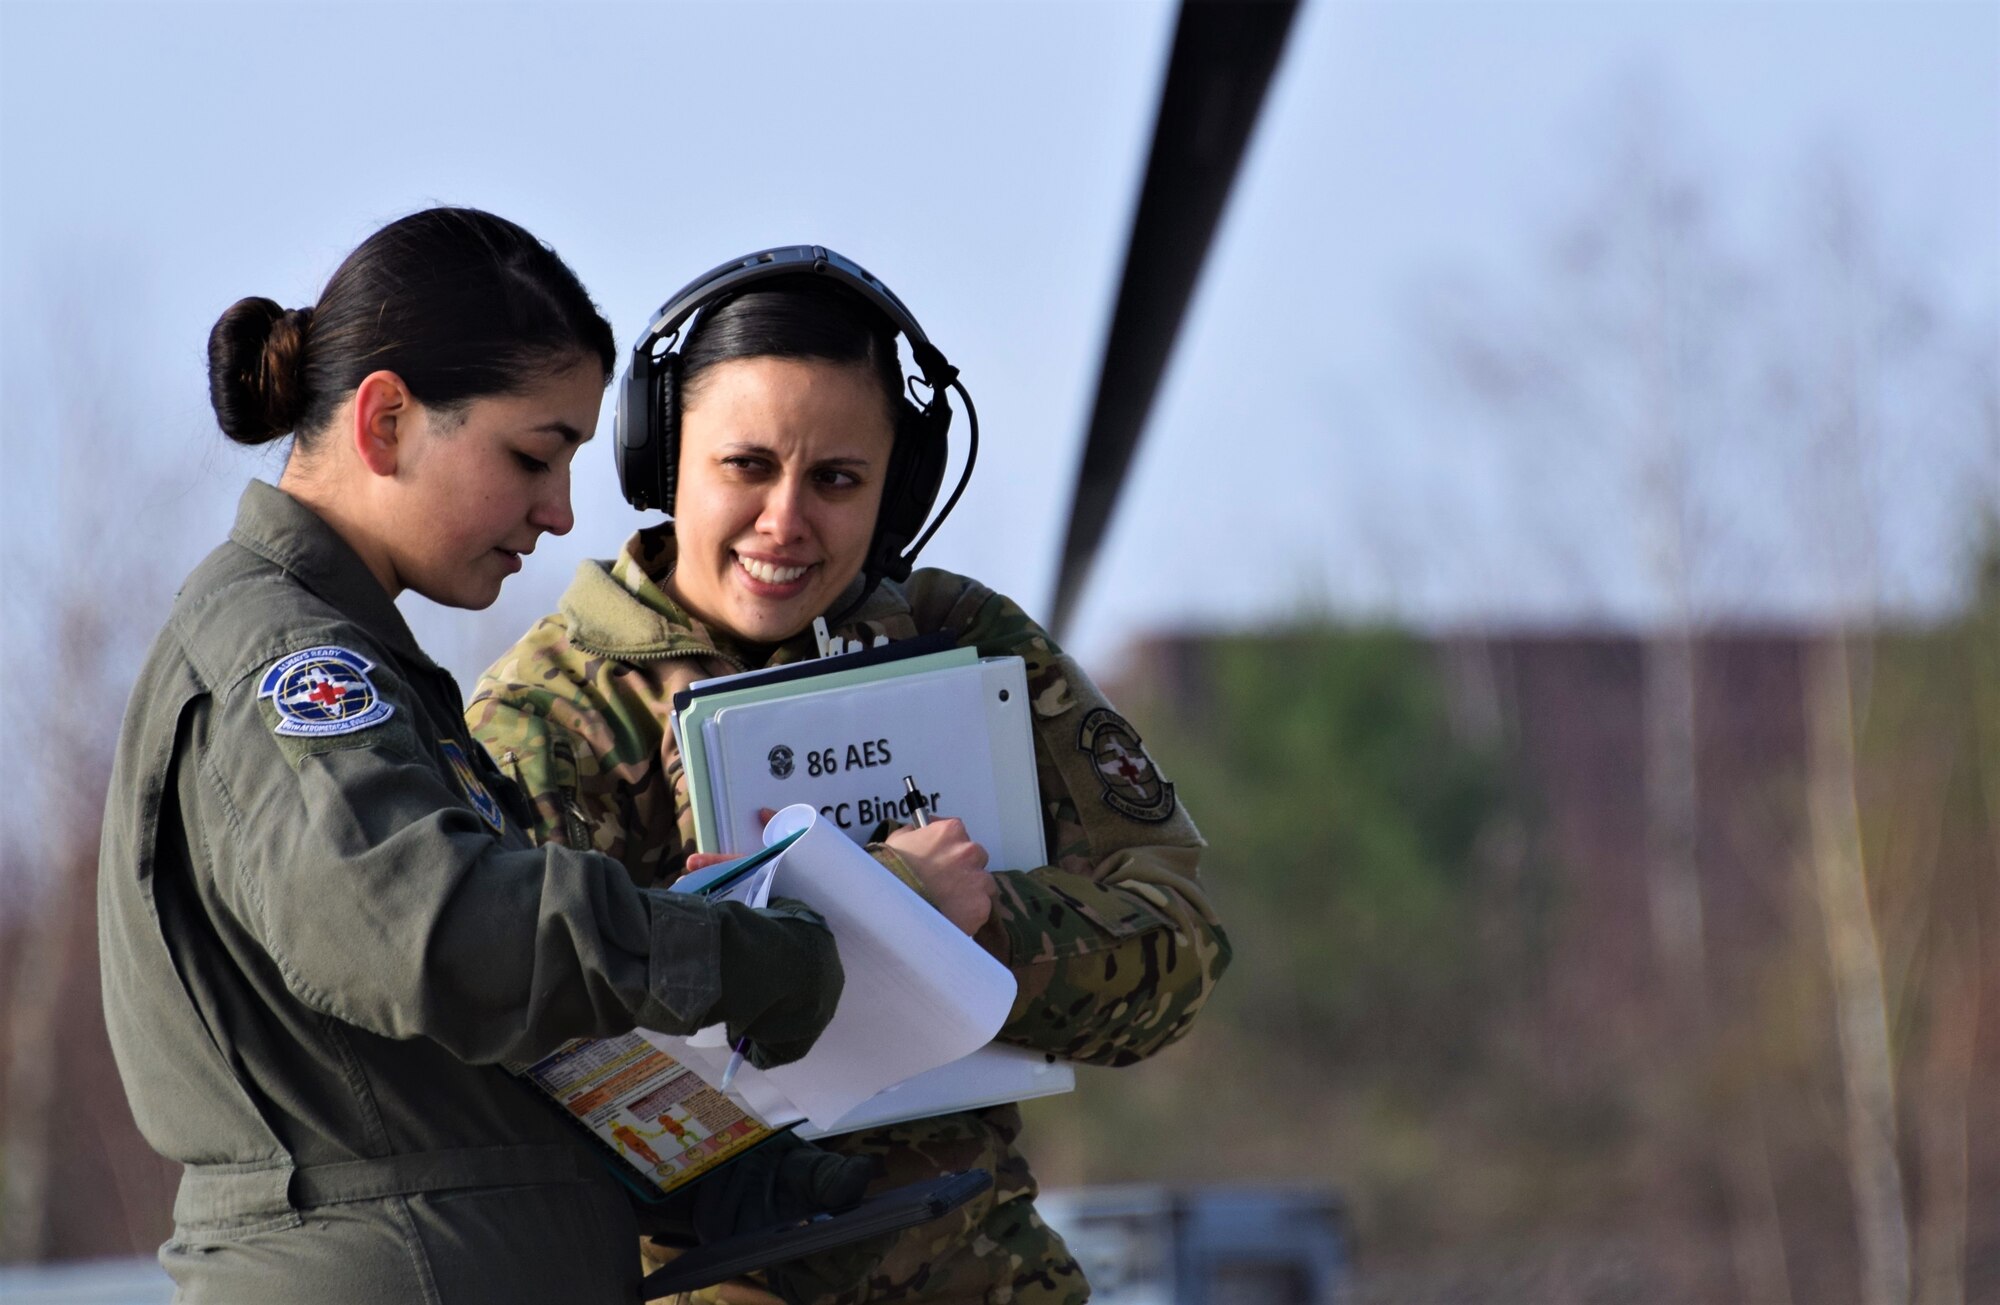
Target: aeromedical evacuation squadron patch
{"points": [[1133, 785], [324, 691]]}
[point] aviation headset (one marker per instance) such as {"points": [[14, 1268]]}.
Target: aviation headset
{"points": [[648, 440]]}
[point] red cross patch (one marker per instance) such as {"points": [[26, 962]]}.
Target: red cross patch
{"points": [[1133, 785]]}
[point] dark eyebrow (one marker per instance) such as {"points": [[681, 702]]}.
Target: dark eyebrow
{"points": [[735, 447], [570, 434]]}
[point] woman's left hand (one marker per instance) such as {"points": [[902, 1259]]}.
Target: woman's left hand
{"points": [[703, 860]]}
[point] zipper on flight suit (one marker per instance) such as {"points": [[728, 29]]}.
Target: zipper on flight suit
{"points": [[576, 827]]}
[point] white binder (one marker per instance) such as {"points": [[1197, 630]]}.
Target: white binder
{"points": [[963, 733]]}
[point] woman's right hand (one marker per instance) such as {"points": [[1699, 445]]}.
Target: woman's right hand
{"points": [[781, 978], [952, 869]]}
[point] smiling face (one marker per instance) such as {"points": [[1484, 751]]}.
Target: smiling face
{"points": [[782, 462], [477, 487]]}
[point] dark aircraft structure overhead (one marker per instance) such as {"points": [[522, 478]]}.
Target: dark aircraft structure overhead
{"points": [[1224, 53]]}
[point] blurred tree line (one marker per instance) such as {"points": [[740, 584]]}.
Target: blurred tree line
{"points": [[1327, 767], [1655, 961], [1405, 916]]}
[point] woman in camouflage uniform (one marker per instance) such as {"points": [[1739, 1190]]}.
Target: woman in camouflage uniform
{"points": [[324, 928], [786, 397]]}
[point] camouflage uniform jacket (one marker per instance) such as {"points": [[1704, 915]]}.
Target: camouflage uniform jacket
{"points": [[1114, 945]]}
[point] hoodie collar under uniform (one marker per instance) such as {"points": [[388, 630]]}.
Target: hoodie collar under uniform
{"points": [[622, 610]]}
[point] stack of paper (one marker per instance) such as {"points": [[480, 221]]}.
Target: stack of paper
{"points": [[919, 994]]}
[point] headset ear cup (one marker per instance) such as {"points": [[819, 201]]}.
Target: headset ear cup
{"points": [[666, 444], [635, 401]]}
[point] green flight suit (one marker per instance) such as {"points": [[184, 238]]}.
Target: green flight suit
{"points": [[324, 930], [1114, 945]]}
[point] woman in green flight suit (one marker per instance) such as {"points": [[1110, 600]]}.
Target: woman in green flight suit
{"points": [[324, 930], [799, 479]]}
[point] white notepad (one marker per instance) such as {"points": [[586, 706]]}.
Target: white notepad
{"points": [[919, 994]]}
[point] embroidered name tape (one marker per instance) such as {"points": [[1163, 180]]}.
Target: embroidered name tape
{"points": [[323, 691], [478, 794]]}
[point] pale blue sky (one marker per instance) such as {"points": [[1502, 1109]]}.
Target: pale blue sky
{"points": [[158, 161]]}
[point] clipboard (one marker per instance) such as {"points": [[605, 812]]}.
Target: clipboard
{"points": [[888, 1212]]}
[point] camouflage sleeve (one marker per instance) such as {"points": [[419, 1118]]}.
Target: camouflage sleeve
{"points": [[1114, 944], [586, 758]]}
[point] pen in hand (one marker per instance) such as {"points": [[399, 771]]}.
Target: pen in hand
{"points": [[916, 804]]}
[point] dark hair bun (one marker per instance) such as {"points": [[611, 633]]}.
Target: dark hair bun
{"points": [[458, 303], [256, 363]]}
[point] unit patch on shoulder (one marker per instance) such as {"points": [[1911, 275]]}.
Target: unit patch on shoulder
{"points": [[1133, 785], [324, 691], [477, 793]]}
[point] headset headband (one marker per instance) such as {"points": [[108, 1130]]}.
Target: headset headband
{"points": [[798, 260]]}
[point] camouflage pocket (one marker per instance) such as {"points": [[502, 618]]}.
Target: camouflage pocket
{"points": [[1052, 914]]}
